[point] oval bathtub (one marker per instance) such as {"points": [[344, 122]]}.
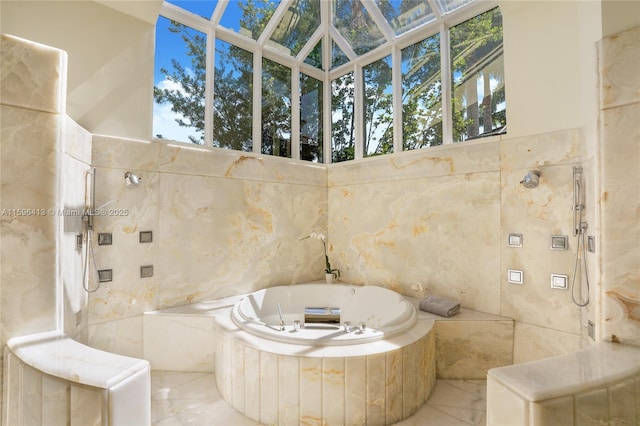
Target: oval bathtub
{"points": [[321, 374], [383, 313]]}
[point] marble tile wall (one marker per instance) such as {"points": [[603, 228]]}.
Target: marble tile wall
{"points": [[619, 59], [438, 221], [32, 94], [223, 222]]}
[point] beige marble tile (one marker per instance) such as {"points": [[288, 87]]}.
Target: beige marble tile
{"points": [[122, 336], [223, 163], [620, 201], [32, 75], [592, 407], [532, 343], [375, 389], [192, 398], [468, 349], [288, 390], [75, 314], [28, 223], [504, 407], [538, 214], [623, 402], [268, 386], [252, 378], [355, 400], [310, 391], [221, 237], [124, 213], [377, 231], [438, 161], [394, 385], [619, 56], [114, 152], [179, 343], [548, 149], [558, 411], [333, 385]]}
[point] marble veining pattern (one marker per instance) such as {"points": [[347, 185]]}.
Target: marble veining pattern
{"points": [[179, 398], [32, 75], [620, 189]]}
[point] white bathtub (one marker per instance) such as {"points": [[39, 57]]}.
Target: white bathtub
{"points": [[382, 312]]}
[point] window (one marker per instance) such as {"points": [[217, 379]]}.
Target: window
{"points": [[311, 141], [379, 76], [477, 65], [342, 119], [378, 108], [421, 94], [232, 97], [276, 109]]}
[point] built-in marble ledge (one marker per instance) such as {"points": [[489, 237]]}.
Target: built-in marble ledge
{"points": [[471, 343], [597, 385], [52, 379]]}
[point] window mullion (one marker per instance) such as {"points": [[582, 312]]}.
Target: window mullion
{"points": [[327, 135], [396, 81], [209, 82], [358, 114], [445, 66], [257, 102], [295, 112]]}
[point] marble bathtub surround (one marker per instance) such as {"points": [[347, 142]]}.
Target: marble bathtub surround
{"points": [[380, 382]]}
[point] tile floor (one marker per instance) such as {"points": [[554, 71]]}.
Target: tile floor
{"points": [[192, 399]]}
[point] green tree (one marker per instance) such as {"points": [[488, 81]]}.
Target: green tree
{"points": [[188, 101], [475, 44]]}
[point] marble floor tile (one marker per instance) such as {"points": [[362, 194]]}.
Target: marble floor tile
{"points": [[179, 398]]}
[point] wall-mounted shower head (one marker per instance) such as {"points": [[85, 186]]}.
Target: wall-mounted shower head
{"points": [[131, 180], [531, 180]]}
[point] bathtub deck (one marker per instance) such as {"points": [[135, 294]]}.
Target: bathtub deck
{"points": [[179, 398]]}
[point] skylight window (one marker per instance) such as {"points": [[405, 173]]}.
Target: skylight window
{"points": [[298, 23], [354, 23], [328, 81], [404, 15]]}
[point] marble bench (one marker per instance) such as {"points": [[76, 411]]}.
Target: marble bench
{"points": [[599, 384], [52, 379]]}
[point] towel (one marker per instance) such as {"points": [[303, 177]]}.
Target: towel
{"points": [[439, 306]]}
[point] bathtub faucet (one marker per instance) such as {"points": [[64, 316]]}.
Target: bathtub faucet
{"points": [[282, 324]]}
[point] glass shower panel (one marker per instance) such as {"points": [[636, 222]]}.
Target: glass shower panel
{"points": [[342, 119], [276, 109], [378, 108], [421, 95], [311, 143], [232, 97], [179, 82], [477, 65]]}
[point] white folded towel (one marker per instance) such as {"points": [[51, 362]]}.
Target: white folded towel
{"points": [[439, 305]]}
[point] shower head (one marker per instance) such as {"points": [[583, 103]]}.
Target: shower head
{"points": [[131, 180], [531, 180]]}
